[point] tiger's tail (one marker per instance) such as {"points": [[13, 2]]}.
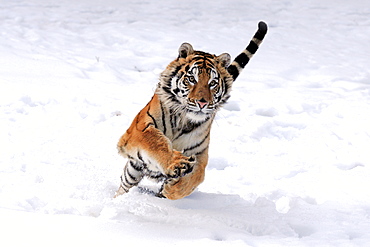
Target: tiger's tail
{"points": [[243, 58]]}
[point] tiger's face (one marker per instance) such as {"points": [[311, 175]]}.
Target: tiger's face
{"points": [[196, 82]]}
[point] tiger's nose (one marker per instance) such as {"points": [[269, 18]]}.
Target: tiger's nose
{"points": [[202, 103]]}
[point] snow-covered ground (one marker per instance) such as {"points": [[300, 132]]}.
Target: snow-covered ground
{"points": [[289, 159]]}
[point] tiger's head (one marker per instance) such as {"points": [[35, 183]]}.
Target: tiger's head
{"points": [[196, 83]]}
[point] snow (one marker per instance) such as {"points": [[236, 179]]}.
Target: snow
{"points": [[289, 161]]}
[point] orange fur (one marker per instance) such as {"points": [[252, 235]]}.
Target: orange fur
{"points": [[142, 135]]}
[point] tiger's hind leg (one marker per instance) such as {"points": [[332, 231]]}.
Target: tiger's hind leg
{"points": [[131, 176], [153, 183]]}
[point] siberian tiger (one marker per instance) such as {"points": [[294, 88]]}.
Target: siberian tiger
{"points": [[169, 138]]}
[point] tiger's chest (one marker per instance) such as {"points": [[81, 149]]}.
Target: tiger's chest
{"points": [[189, 137]]}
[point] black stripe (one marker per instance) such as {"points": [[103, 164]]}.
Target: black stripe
{"points": [[126, 181], [196, 58], [163, 119], [155, 123], [233, 70], [242, 59], [173, 73], [200, 152], [173, 119], [199, 63], [150, 124], [155, 175], [168, 78], [179, 77], [259, 35], [252, 47], [170, 95], [204, 58], [205, 63], [196, 145], [202, 54], [131, 176], [140, 157], [187, 129], [136, 166], [122, 184], [190, 127], [129, 183]]}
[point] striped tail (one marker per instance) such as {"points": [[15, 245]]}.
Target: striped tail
{"points": [[243, 58]]}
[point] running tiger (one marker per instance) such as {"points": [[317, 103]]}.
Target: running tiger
{"points": [[169, 138]]}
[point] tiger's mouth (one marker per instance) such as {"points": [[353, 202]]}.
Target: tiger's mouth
{"points": [[200, 109], [198, 115]]}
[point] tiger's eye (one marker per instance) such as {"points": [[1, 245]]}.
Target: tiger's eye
{"points": [[213, 83], [191, 79]]}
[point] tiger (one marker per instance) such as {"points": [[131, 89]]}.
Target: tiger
{"points": [[168, 140]]}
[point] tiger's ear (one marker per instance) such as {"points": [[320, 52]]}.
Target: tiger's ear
{"points": [[185, 50], [224, 59]]}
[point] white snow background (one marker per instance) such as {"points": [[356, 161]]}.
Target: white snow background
{"points": [[289, 156]]}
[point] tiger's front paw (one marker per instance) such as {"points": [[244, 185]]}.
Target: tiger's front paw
{"points": [[180, 165], [177, 188]]}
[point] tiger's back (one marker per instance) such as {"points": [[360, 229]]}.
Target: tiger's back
{"points": [[168, 140]]}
